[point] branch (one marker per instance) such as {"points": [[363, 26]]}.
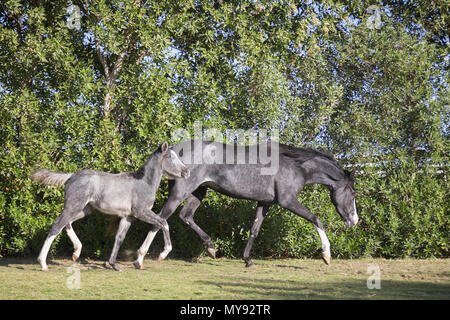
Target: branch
{"points": [[142, 56], [117, 66], [94, 17], [102, 59], [21, 31], [119, 60]]}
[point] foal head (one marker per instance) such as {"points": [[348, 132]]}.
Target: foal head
{"points": [[343, 198], [172, 166]]}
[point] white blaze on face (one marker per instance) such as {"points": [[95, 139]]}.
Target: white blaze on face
{"points": [[354, 217], [175, 159], [175, 166]]}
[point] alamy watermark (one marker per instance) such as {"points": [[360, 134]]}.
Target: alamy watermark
{"points": [[73, 282], [74, 19], [374, 21], [374, 280], [266, 154]]}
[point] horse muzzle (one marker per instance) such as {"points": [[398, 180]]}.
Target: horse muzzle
{"points": [[185, 173], [351, 221]]}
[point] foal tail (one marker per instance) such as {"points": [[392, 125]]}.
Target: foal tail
{"points": [[51, 178]]}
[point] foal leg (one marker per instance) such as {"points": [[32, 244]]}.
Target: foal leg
{"points": [[139, 262], [76, 242], [73, 237], [293, 205], [168, 209], [261, 213], [124, 225], [150, 217], [66, 217]]}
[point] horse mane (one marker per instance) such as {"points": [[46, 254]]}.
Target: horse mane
{"points": [[301, 155]]}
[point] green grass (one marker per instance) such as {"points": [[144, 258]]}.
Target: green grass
{"points": [[228, 279]]}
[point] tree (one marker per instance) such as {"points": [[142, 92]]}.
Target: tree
{"points": [[102, 93]]}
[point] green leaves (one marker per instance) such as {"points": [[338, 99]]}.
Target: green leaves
{"points": [[104, 96]]}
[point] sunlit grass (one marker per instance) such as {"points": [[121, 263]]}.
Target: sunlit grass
{"points": [[228, 279]]}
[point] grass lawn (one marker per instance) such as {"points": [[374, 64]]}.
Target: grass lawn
{"points": [[227, 279]]}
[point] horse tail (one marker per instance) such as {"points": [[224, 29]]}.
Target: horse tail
{"points": [[50, 178]]}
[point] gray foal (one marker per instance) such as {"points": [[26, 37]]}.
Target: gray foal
{"points": [[127, 195]]}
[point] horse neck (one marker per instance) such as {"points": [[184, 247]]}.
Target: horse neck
{"points": [[151, 172], [325, 173]]}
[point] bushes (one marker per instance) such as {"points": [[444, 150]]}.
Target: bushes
{"points": [[402, 214], [102, 99]]}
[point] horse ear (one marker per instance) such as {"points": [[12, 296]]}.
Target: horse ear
{"points": [[164, 147], [350, 174]]}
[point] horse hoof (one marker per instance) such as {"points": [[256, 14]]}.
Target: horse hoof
{"points": [[42, 264], [116, 267], [249, 264], [326, 258], [160, 258], [138, 265], [211, 252], [74, 257]]}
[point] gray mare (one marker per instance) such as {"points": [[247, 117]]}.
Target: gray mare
{"points": [[296, 168], [127, 195]]}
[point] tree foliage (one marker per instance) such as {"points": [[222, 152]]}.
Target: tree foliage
{"points": [[103, 94]]}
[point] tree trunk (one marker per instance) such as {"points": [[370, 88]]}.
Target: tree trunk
{"points": [[107, 104]]}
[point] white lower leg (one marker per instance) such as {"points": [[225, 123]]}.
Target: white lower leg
{"points": [[167, 245], [166, 251], [325, 245], [76, 243], [44, 251], [144, 248]]}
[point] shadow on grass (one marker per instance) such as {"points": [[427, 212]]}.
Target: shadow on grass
{"points": [[336, 289], [87, 263], [19, 263], [13, 262]]}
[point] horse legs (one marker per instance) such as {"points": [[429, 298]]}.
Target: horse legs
{"points": [[139, 262], [150, 217], [187, 215], [66, 217], [75, 241], [261, 213], [124, 225], [168, 209], [293, 205], [73, 237]]}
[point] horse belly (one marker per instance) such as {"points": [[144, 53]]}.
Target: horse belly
{"points": [[245, 186], [114, 204]]}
